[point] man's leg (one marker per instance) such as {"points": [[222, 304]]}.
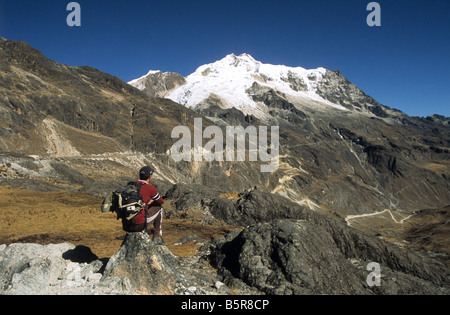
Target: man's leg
{"points": [[155, 214]]}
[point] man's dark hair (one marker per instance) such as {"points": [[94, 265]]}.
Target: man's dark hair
{"points": [[145, 173]]}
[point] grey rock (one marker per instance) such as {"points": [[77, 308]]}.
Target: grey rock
{"points": [[150, 268], [33, 269], [193, 202], [306, 257], [153, 269], [158, 84]]}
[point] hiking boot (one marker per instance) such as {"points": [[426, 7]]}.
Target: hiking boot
{"points": [[158, 240]]}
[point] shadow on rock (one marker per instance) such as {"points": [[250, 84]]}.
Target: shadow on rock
{"points": [[80, 254]]}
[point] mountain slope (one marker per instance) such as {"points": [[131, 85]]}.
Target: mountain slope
{"points": [[158, 84], [238, 81], [336, 141], [329, 153], [35, 88], [79, 120], [344, 159], [342, 156]]}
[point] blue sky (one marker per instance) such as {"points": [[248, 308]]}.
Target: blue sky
{"points": [[404, 64]]}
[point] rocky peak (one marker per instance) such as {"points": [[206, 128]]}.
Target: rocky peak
{"points": [[157, 83], [244, 61], [230, 77]]}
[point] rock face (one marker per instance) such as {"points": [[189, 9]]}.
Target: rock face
{"points": [[284, 256], [300, 257], [139, 267], [289, 257], [158, 84], [151, 269], [32, 269], [338, 90]]}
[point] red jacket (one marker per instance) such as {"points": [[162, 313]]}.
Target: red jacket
{"points": [[147, 192]]}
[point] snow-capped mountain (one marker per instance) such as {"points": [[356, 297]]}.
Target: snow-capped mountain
{"points": [[231, 77], [243, 83]]}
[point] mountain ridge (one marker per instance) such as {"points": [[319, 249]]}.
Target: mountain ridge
{"points": [[93, 102], [231, 77], [80, 129]]}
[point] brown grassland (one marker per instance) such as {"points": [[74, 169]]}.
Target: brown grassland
{"points": [[56, 217]]}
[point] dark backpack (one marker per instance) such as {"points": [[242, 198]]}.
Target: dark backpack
{"points": [[126, 202]]}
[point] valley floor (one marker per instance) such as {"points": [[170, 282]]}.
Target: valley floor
{"points": [[56, 217]]}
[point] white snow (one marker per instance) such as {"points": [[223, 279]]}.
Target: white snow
{"points": [[231, 76]]}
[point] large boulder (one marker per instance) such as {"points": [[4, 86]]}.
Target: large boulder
{"points": [[192, 202], [255, 206], [138, 267], [33, 269], [151, 269]]}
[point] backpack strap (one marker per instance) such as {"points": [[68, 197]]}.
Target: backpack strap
{"points": [[139, 186]]}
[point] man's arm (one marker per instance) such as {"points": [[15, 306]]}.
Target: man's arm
{"points": [[155, 196]]}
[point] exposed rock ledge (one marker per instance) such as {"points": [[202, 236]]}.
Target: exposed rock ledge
{"points": [[285, 256], [139, 267]]}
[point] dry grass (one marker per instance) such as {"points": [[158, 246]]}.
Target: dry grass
{"points": [[56, 217], [438, 168]]}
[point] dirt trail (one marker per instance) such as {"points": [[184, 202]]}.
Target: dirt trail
{"points": [[354, 217]]}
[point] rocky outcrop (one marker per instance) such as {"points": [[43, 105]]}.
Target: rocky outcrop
{"points": [[206, 205], [255, 206], [158, 84], [284, 256], [301, 257], [289, 249], [32, 269], [139, 267], [192, 202], [151, 269]]}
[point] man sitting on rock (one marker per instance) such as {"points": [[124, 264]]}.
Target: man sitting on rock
{"points": [[155, 211]]}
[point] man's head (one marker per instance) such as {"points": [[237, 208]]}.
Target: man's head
{"points": [[146, 173]]}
